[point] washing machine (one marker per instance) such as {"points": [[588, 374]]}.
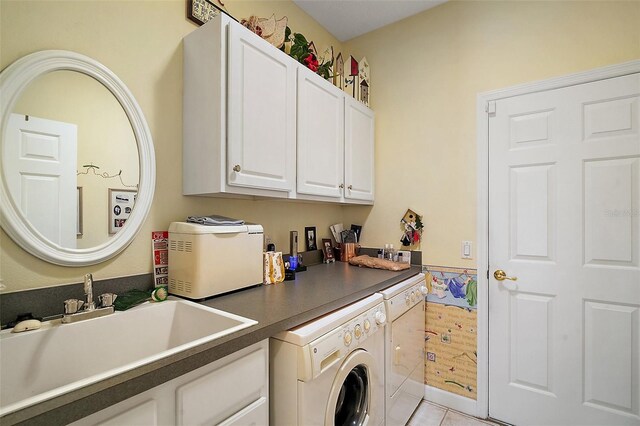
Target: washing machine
{"points": [[330, 371], [404, 349]]}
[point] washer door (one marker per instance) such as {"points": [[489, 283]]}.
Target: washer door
{"points": [[350, 397]]}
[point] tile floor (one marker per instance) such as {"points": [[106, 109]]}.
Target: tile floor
{"points": [[430, 414]]}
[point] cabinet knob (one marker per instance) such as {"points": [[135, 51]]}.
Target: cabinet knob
{"points": [[350, 187], [237, 168], [341, 185]]}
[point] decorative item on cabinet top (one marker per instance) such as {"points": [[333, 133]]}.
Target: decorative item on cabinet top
{"points": [[256, 138], [202, 11], [279, 34], [273, 30]]}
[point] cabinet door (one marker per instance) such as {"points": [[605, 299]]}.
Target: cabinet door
{"points": [[261, 116], [358, 151], [238, 386], [320, 136]]}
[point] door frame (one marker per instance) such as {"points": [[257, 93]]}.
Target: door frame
{"points": [[482, 200]]}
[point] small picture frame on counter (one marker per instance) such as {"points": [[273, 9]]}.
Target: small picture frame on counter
{"points": [[327, 251], [357, 229], [310, 238]]}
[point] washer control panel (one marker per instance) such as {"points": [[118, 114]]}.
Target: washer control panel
{"points": [[330, 348], [405, 300]]}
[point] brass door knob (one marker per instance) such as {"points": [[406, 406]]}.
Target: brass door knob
{"points": [[500, 275], [237, 168]]}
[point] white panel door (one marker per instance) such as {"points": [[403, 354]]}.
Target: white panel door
{"points": [[358, 151], [261, 113], [40, 161], [564, 197], [320, 136]]}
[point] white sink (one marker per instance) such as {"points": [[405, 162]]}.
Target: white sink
{"points": [[45, 363]]}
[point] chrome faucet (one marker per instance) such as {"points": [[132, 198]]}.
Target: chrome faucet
{"points": [[78, 310]]}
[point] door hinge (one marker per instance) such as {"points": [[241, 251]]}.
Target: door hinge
{"points": [[487, 274], [491, 108]]}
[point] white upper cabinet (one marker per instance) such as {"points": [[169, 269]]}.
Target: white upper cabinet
{"points": [[320, 136], [335, 143], [358, 151], [261, 145], [258, 123], [239, 113]]}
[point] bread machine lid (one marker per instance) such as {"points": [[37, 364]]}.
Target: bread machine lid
{"points": [[195, 228]]}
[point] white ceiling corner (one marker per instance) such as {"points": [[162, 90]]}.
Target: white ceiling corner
{"points": [[346, 19]]}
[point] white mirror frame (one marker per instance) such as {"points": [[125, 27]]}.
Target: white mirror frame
{"points": [[13, 81]]}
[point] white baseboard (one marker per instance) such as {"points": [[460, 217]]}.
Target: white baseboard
{"points": [[450, 400]]}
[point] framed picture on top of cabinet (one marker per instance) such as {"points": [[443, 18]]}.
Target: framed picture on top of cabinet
{"points": [[202, 11]]}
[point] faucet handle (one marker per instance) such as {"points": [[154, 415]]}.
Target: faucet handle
{"points": [[107, 299], [71, 306]]}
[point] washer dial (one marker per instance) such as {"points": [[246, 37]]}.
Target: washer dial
{"points": [[347, 338], [357, 331]]}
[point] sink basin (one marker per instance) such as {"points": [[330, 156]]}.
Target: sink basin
{"points": [[57, 358]]}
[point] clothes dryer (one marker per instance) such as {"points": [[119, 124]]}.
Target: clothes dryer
{"points": [[404, 349], [330, 371]]}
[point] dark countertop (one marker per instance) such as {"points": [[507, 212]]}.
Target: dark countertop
{"points": [[319, 290]]}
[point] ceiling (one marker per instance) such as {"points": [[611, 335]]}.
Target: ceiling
{"points": [[346, 19]]}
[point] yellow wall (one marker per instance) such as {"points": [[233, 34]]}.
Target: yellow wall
{"points": [[141, 41], [425, 74]]}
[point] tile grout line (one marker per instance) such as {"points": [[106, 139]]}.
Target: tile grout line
{"points": [[443, 417]]}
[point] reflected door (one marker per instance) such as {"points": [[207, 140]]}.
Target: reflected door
{"points": [[564, 189], [40, 168]]}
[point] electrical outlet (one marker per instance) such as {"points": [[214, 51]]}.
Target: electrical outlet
{"points": [[466, 249], [267, 240]]}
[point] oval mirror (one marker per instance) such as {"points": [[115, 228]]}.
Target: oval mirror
{"points": [[78, 165]]}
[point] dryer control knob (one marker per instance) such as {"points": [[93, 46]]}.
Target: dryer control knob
{"points": [[380, 317], [367, 326], [347, 338], [413, 297], [423, 289], [357, 331], [407, 299]]}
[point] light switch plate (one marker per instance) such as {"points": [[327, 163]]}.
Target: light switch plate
{"points": [[466, 250], [406, 256]]}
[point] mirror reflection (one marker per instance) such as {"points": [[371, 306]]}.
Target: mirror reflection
{"points": [[71, 159]]}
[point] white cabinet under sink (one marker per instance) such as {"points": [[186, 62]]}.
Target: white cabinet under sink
{"points": [[258, 123], [335, 143], [230, 391]]}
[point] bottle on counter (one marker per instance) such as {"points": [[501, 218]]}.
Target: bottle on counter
{"points": [[380, 255], [389, 252]]}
